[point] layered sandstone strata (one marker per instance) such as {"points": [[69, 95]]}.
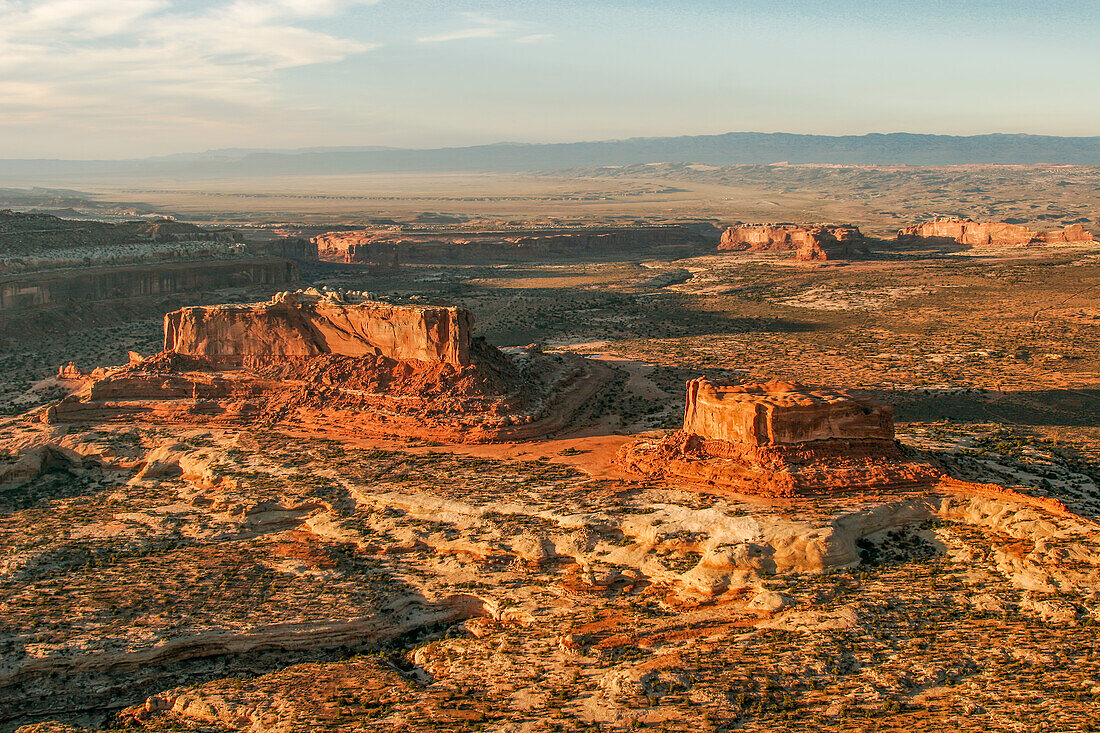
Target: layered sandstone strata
{"points": [[822, 242], [990, 233], [301, 325], [782, 439]]}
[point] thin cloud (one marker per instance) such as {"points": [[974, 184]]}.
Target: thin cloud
{"points": [[462, 35], [534, 38], [483, 26]]}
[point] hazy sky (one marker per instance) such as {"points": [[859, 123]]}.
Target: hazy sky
{"points": [[119, 78]]}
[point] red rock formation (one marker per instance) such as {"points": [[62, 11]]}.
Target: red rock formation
{"points": [[366, 369], [781, 413], [357, 247], [299, 325], [990, 234], [823, 242], [70, 372], [780, 439], [1072, 233]]}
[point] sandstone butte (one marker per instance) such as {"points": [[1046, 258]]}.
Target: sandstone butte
{"points": [[780, 439], [299, 325], [781, 413], [342, 363], [810, 243], [784, 439], [990, 233]]}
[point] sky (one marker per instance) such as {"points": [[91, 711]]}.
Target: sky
{"points": [[134, 78]]}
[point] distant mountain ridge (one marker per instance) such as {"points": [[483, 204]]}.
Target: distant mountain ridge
{"points": [[753, 148]]}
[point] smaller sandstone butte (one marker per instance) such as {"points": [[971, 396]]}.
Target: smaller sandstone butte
{"points": [[303, 324], [781, 413], [810, 243], [989, 233], [780, 439]]}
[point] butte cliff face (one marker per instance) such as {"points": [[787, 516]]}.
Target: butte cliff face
{"points": [[781, 439], [990, 233], [810, 243], [781, 413], [300, 325]]}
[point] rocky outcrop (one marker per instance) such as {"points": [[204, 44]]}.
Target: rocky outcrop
{"points": [[780, 439], [35, 460], [304, 325], [781, 413], [810, 243], [990, 233]]}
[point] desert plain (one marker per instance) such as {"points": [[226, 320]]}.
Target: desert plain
{"points": [[328, 555]]}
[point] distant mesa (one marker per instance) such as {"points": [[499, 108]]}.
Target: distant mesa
{"points": [[358, 247], [338, 362], [25, 232], [809, 243], [780, 439], [386, 246], [990, 233], [51, 264]]}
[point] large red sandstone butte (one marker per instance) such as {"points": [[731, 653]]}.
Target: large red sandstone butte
{"points": [[810, 243], [990, 233], [780, 439], [361, 368], [305, 325]]}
